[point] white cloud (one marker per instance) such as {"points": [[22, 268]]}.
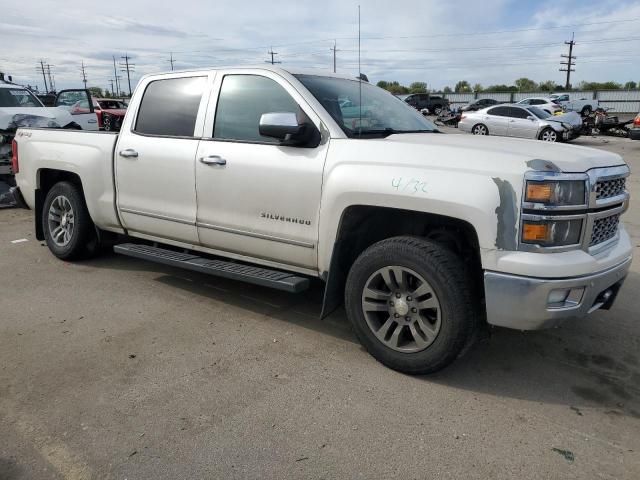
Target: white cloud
{"points": [[432, 41]]}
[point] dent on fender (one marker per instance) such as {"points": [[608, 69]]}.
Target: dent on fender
{"points": [[506, 238]]}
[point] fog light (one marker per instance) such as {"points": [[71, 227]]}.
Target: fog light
{"points": [[558, 296]]}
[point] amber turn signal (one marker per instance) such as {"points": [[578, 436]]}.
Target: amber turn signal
{"points": [[539, 192], [535, 232]]}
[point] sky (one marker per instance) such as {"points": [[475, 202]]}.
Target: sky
{"points": [[437, 42]]}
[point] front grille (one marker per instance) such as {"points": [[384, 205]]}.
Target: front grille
{"points": [[610, 188], [604, 229]]}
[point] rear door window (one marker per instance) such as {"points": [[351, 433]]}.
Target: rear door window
{"points": [[170, 107], [499, 111]]}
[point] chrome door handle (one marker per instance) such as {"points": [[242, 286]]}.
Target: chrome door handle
{"points": [[128, 153], [213, 160]]}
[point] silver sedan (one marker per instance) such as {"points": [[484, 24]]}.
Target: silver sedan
{"points": [[522, 122]]}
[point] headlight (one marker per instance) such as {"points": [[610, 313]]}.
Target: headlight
{"points": [[556, 192], [552, 233]]}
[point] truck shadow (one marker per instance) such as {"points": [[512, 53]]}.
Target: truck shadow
{"points": [[592, 362]]}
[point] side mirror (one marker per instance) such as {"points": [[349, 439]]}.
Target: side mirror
{"points": [[532, 118], [284, 126]]}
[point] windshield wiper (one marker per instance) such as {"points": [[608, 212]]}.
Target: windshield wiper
{"points": [[385, 132]]}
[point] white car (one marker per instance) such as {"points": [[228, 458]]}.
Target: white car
{"points": [[267, 176], [21, 108], [523, 122], [546, 104], [570, 103]]}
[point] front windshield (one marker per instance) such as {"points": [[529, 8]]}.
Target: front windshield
{"points": [[538, 112], [379, 114], [17, 98]]}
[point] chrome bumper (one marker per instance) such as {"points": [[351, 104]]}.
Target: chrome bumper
{"points": [[523, 303]]}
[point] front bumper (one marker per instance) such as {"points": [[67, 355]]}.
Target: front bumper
{"points": [[522, 303]]}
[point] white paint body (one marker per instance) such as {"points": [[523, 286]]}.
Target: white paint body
{"points": [[574, 104], [232, 211]]}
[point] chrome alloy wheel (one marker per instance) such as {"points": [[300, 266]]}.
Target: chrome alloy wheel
{"points": [[549, 136], [401, 309], [61, 221], [480, 130]]}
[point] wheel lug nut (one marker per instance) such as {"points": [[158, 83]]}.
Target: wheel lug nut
{"points": [[396, 315], [408, 319], [408, 299], [398, 295], [391, 303], [414, 310]]}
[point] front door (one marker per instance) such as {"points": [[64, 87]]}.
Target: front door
{"points": [[155, 158], [80, 105], [256, 197], [520, 123], [497, 120]]}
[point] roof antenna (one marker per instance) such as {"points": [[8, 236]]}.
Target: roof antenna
{"points": [[359, 78]]}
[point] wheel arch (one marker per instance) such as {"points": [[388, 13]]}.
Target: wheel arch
{"points": [[361, 226], [46, 178]]}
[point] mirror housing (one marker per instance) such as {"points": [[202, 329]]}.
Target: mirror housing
{"points": [[532, 118], [285, 127]]}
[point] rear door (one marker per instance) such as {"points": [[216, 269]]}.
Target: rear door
{"points": [[497, 120], [520, 123], [80, 105], [155, 156], [255, 197]]}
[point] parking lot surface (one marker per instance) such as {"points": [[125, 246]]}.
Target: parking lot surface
{"points": [[116, 368]]}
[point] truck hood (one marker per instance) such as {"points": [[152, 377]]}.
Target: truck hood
{"points": [[13, 118], [497, 153]]}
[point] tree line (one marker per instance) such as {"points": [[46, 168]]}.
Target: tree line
{"points": [[520, 85]]}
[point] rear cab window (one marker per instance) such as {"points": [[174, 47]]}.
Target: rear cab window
{"points": [[169, 107]]}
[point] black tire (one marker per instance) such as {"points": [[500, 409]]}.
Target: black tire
{"points": [[586, 111], [445, 273], [437, 109], [107, 122], [83, 240], [478, 128], [549, 135]]}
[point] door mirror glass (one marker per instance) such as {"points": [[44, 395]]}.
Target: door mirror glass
{"points": [[531, 117], [281, 125]]}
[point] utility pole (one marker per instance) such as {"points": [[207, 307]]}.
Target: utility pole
{"points": [[127, 67], [171, 60], [46, 88], [51, 84], [112, 92], [272, 53], [569, 63], [115, 75], [84, 75], [334, 49]]}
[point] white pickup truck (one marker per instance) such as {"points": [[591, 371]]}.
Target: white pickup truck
{"points": [[571, 103], [275, 178]]}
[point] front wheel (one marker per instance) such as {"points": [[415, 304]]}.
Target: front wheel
{"points": [[586, 111], [410, 304], [67, 226], [480, 129], [549, 135]]}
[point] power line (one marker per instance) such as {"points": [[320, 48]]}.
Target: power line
{"points": [[115, 75], [570, 61], [272, 53], [128, 67]]}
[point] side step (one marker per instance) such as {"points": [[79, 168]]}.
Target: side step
{"points": [[265, 277]]}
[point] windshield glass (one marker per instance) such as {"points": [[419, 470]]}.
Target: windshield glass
{"points": [[538, 112], [17, 97], [379, 114]]}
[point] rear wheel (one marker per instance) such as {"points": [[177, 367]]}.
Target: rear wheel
{"points": [[480, 129], [107, 123], [410, 304], [549, 135], [67, 226], [438, 109], [586, 111]]}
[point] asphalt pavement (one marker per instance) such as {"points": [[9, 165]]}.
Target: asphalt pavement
{"points": [[116, 368]]}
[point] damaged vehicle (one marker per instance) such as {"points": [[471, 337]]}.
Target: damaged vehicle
{"points": [[21, 108], [522, 122], [426, 238]]}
